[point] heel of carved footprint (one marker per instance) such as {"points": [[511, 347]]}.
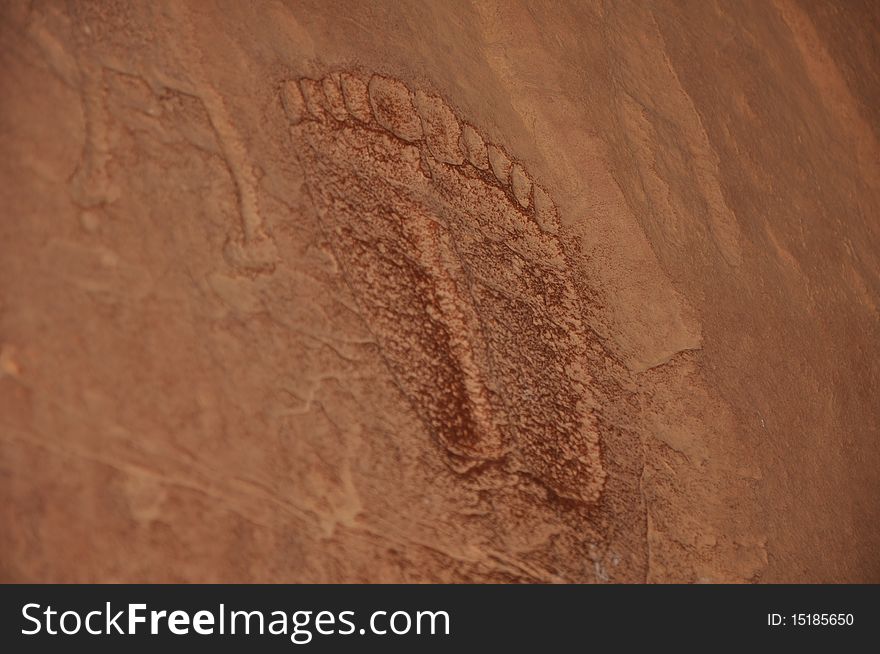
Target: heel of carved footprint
{"points": [[460, 276]]}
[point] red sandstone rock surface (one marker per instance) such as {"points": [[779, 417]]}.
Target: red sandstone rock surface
{"points": [[452, 291]]}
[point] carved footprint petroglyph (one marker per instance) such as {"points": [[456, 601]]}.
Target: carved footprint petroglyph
{"points": [[453, 254]]}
